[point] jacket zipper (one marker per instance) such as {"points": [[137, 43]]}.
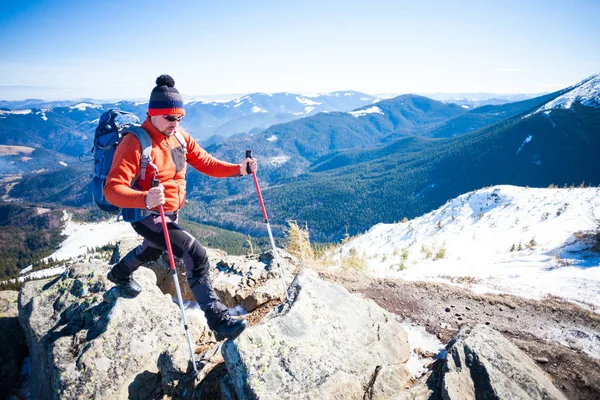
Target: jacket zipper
{"points": [[175, 169]]}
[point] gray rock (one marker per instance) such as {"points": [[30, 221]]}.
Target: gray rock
{"points": [[481, 363], [86, 341], [271, 290], [8, 304], [13, 347], [325, 344], [227, 291], [420, 391], [249, 281]]}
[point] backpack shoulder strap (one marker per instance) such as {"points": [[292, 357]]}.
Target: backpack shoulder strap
{"points": [[181, 141], [145, 143]]}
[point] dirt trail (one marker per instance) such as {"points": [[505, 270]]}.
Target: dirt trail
{"points": [[558, 335]]}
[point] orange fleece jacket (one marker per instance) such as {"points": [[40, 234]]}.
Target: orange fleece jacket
{"points": [[126, 164]]}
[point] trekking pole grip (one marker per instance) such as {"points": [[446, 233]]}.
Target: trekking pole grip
{"points": [[248, 155], [155, 183]]}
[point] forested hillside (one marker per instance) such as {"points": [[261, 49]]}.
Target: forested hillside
{"points": [[412, 177], [68, 186], [27, 234]]}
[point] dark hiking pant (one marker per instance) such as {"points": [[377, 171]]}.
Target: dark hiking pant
{"points": [[185, 247]]}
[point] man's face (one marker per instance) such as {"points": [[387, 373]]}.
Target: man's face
{"points": [[166, 124]]}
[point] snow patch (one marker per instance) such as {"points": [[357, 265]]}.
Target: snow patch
{"points": [[273, 138], [84, 106], [419, 338], [306, 102], [15, 112], [527, 140], [43, 114], [257, 109], [278, 160], [81, 236], [370, 110], [44, 273]]}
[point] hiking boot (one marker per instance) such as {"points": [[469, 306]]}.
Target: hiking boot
{"points": [[127, 286], [230, 328]]}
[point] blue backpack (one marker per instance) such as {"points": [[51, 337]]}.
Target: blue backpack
{"points": [[111, 129]]}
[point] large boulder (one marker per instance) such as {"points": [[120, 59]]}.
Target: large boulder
{"points": [[13, 347], [249, 281], [324, 344], [483, 364], [86, 341]]}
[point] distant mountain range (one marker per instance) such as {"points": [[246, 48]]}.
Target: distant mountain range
{"points": [[68, 126], [343, 171], [473, 100], [391, 165], [324, 140]]}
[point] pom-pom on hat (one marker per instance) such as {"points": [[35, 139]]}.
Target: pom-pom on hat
{"points": [[165, 99]]}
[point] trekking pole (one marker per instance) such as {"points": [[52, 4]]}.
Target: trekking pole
{"points": [[264, 211], [155, 183]]}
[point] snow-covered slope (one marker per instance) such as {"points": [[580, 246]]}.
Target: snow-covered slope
{"points": [[524, 241], [79, 238], [586, 92]]}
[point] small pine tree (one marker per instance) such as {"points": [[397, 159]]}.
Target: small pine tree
{"points": [[441, 253], [249, 240], [426, 252], [299, 242]]}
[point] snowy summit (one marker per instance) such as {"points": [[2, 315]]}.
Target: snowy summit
{"points": [[586, 92]]}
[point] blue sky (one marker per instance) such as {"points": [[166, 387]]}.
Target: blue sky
{"points": [[115, 49]]}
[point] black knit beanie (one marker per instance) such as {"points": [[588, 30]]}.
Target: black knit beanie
{"points": [[165, 99]]}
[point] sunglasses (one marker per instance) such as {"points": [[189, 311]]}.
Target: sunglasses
{"points": [[172, 118]]}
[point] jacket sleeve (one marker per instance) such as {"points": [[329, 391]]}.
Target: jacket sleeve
{"points": [[126, 163], [198, 158]]}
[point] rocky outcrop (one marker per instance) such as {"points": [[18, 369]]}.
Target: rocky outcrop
{"points": [[86, 341], [325, 344], [13, 347], [482, 364]]}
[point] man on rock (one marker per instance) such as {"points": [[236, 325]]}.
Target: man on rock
{"points": [[172, 150]]}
